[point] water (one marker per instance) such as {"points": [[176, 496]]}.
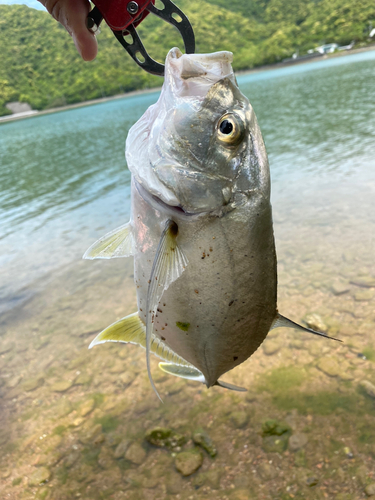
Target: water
{"points": [[64, 183]]}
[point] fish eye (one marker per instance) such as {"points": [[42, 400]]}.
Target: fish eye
{"points": [[230, 129]]}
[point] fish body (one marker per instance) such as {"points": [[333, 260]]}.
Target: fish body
{"points": [[201, 226]]}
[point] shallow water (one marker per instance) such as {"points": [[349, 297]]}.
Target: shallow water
{"points": [[65, 410]]}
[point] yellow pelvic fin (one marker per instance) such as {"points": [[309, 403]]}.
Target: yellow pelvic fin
{"points": [[132, 330], [116, 243]]}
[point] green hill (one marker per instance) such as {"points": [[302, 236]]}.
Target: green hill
{"points": [[39, 63]]}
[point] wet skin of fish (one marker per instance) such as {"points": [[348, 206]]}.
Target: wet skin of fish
{"points": [[201, 226]]}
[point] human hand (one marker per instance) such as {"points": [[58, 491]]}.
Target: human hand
{"points": [[72, 15]]}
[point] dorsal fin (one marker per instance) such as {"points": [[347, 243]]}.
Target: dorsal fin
{"points": [[282, 322]]}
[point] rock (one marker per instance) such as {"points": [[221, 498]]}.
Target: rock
{"points": [[275, 444], [242, 481], [267, 471], [312, 481], [63, 408], [87, 407], [122, 448], [271, 346], [329, 366], [135, 454], [33, 383], [239, 418], [188, 462], [62, 385], [315, 322], [361, 473], [370, 490], [368, 388], [213, 477], [105, 458], [205, 442], [365, 281], [92, 434], [300, 458], [163, 437], [241, 494], [39, 476], [339, 288], [174, 484], [297, 441], [364, 295]]}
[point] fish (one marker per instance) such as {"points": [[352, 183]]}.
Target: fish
{"points": [[201, 229]]}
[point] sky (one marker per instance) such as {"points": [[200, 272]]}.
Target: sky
{"points": [[30, 3]]}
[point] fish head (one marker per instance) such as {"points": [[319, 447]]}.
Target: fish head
{"points": [[199, 147]]}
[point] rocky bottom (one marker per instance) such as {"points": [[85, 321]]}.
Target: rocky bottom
{"points": [[86, 424]]}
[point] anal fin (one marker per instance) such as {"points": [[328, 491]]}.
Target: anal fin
{"points": [[282, 322], [116, 243]]}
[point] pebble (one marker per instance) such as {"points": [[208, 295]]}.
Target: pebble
{"points": [[239, 419], [122, 448], [370, 490], [315, 322], [188, 462], [135, 454], [271, 346], [368, 387], [364, 295], [162, 437], [339, 288], [62, 385], [267, 471], [312, 481], [297, 441], [275, 444], [205, 442], [33, 383], [366, 282], [174, 484], [40, 476], [329, 366], [87, 407]]}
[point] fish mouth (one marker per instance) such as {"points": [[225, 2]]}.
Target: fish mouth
{"points": [[157, 203]]}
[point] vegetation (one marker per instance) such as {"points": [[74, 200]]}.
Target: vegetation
{"points": [[39, 63]]}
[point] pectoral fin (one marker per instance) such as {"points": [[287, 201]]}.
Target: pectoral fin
{"points": [[169, 263], [281, 321], [117, 243], [231, 387]]}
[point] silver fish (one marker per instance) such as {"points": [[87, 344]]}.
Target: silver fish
{"points": [[201, 226]]}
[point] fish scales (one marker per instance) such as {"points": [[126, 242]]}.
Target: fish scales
{"points": [[201, 228]]}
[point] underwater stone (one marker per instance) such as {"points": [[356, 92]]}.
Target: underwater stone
{"points": [[275, 444], [33, 383], [315, 322], [312, 481], [271, 346], [364, 295], [205, 442], [174, 484], [87, 407], [368, 387], [62, 385], [329, 366], [297, 441], [122, 448], [339, 288], [135, 454], [365, 281], [39, 476], [188, 462], [370, 490], [163, 437], [239, 419]]}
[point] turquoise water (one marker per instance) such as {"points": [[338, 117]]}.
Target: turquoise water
{"points": [[76, 423], [63, 177]]}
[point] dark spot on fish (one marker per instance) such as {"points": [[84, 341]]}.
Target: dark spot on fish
{"points": [[149, 281], [200, 303], [235, 358], [159, 310], [211, 249], [140, 309], [164, 305], [131, 275], [245, 255], [208, 255], [230, 303], [203, 255], [162, 338], [173, 228], [162, 328], [196, 291]]}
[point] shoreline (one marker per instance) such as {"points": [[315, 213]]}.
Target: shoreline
{"points": [[259, 69]]}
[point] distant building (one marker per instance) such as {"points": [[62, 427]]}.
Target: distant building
{"points": [[372, 33], [328, 48]]}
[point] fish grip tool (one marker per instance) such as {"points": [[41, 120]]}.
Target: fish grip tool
{"points": [[123, 16]]}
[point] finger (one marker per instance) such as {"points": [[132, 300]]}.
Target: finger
{"points": [[72, 15]]}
